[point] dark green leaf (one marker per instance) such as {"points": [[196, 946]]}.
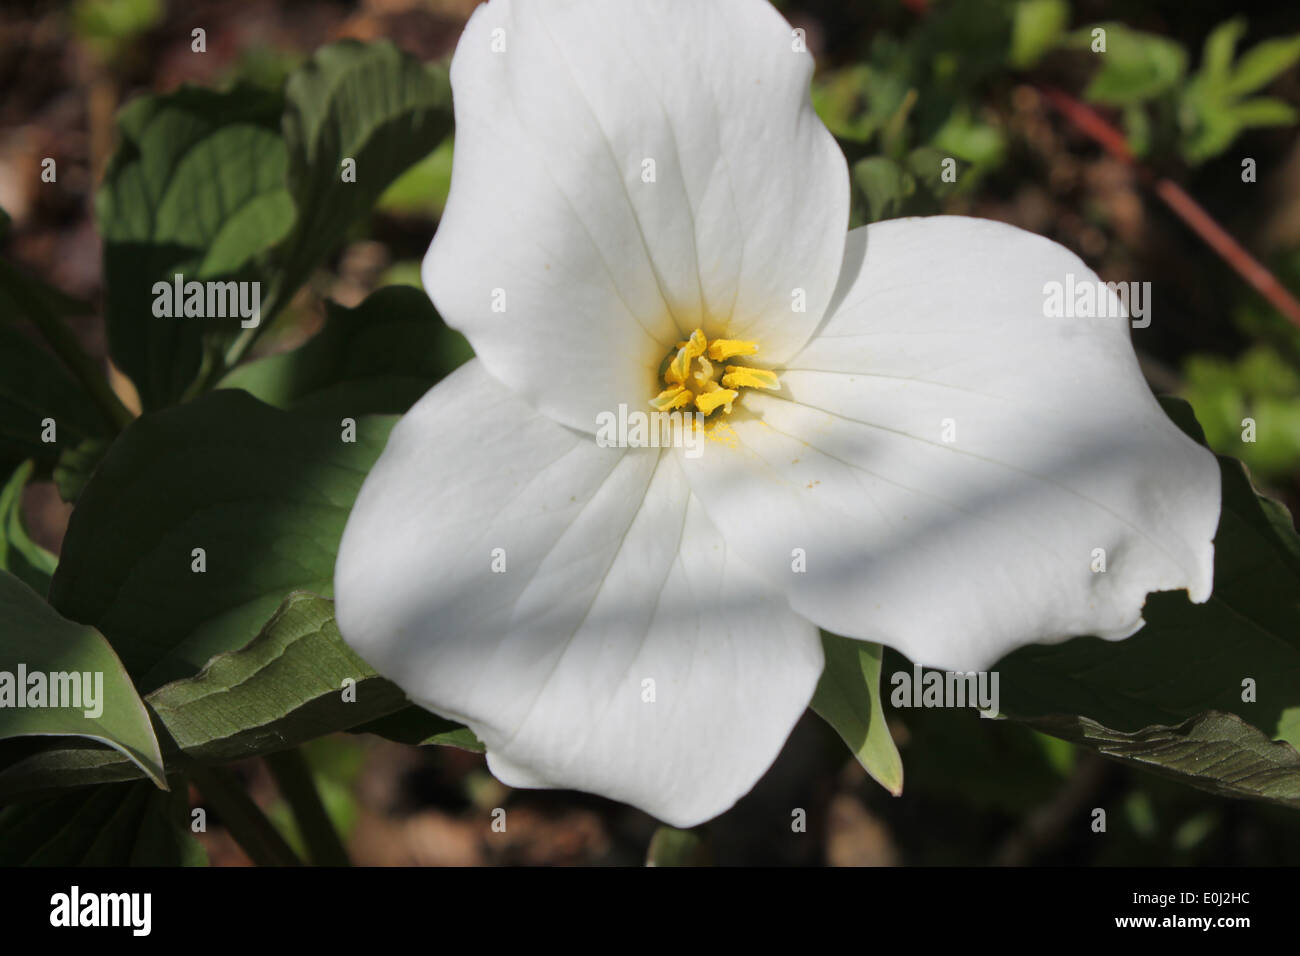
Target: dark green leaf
{"points": [[285, 688], [415, 725], [34, 387], [1214, 751], [197, 187], [264, 493], [122, 825], [376, 358], [369, 103]]}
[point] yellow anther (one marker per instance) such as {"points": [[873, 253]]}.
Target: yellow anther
{"points": [[738, 376], [680, 366], [674, 396], [722, 349], [695, 382], [711, 399]]}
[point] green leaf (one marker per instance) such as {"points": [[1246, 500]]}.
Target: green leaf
{"points": [[378, 357], [926, 163], [197, 187], [285, 688], [369, 103], [1220, 46], [73, 662], [856, 101], [35, 387], [1189, 658], [1210, 129], [1213, 751], [1264, 111], [108, 25], [1262, 63], [423, 189], [1260, 384], [19, 554], [1136, 66], [123, 825], [1036, 28], [264, 493], [885, 184], [970, 139], [848, 698], [1211, 114]]}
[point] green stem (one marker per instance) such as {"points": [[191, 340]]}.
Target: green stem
{"points": [[216, 364], [275, 303], [242, 817], [238, 348], [293, 777], [67, 348]]}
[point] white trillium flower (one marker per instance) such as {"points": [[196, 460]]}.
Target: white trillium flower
{"points": [[641, 624]]}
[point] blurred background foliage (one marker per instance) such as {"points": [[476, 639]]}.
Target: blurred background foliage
{"points": [[1192, 90]]}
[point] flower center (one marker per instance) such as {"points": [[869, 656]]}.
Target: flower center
{"points": [[696, 378]]}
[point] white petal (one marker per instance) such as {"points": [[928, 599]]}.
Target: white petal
{"points": [[958, 552], [602, 273], [613, 576]]}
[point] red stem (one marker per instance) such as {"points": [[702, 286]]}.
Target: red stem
{"points": [[1089, 122]]}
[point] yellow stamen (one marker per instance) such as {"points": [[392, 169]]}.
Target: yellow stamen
{"points": [[680, 366], [695, 382], [739, 376], [722, 349], [710, 400], [674, 396]]}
